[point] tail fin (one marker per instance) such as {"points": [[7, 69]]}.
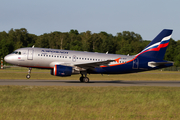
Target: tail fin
{"points": [[157, 47]]}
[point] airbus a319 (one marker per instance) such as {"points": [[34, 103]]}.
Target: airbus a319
{"points": [[66, 62]]}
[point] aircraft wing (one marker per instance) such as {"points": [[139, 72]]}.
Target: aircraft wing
{"points": [[94, 64], [155, 64]]}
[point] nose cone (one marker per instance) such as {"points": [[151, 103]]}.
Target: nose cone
{"points": [[8, 58]]}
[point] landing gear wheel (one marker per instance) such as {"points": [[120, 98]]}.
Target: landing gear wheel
{"points": [[29, 72], [28, 76], [81, 79], [86, 79]]}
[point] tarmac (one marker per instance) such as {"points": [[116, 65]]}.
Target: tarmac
{"points": [[117, 83]]}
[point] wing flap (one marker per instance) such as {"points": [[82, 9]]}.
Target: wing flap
{"points": [[94, 64]]}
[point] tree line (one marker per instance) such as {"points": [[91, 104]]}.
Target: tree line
{"points": [[123, 43]]}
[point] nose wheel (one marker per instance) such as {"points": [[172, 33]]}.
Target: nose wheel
{"points": [[28, 76], [29, 72]]}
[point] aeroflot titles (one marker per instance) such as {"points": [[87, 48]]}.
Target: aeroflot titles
{"points": [[52, 51]]}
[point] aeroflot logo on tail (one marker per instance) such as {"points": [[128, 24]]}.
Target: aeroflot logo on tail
{"points": [[54, 51]]}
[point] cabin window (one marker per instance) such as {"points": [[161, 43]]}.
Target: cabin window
{"points": [[69, 57]]}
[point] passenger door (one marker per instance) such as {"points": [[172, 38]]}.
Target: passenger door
{"points": [[30, 54]]}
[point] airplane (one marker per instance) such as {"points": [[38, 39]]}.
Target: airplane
{"points": [[67, 62]]}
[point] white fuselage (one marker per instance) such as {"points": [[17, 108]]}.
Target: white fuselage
{"points": [[47, 58]]}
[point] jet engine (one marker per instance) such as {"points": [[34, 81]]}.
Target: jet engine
{"points": [[60, 70]]}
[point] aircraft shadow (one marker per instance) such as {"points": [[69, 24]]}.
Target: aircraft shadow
{"points": [[128, 82], [176, 83]]}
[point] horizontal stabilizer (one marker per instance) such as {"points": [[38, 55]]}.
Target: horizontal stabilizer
{"points": [[155, 64]]}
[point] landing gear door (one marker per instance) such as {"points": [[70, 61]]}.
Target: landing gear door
{"points": [[135, 63], [30, 54]]}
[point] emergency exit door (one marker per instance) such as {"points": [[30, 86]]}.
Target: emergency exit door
{"points": [[135, 63]]}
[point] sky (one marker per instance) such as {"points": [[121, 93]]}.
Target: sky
{"points": [[144, 17]]}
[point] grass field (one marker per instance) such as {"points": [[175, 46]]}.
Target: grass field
{"points": [[29, 102], [79, 103], [20, 73]]}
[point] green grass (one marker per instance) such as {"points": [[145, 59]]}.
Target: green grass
{"points": [[20, 73], [79, 103], [32, 102]]}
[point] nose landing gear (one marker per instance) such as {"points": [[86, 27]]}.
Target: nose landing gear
{"points": [[29, 72]]}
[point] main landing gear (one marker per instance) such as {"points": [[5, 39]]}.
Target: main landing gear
{"points": [[29, 72], [84, 79]]}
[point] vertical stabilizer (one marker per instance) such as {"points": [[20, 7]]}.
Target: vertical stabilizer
{"points": [[157, 47]]}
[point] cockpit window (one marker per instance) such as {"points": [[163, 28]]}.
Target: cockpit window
{"points": [[16, 52]]}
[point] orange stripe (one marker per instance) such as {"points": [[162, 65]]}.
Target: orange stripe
{"points": [[117, 60], [55, 70], [119, 63]]}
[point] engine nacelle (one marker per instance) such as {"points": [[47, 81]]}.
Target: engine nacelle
{"points": [[60, 70]]}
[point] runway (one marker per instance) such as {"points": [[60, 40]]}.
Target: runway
{"points": [[91, 83]]}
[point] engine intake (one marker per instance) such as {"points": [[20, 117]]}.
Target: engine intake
{"points": [[60, 70]]}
